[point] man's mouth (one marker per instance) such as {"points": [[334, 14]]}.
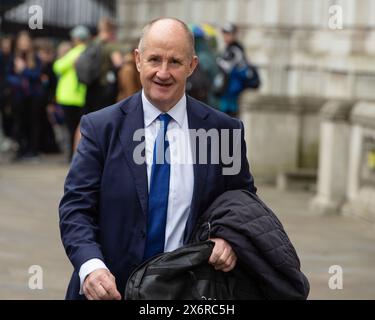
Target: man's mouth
{"points": [[164, 85]]}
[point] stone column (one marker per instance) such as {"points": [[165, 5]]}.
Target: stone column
{"points": [[333, 158], [361, 171]]}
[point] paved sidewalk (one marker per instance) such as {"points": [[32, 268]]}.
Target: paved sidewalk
{"points": [[29, 235]]}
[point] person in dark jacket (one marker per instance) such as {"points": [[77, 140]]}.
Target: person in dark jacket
{"points": [[103, 91], [23, 79], [5, 107], [46, 54], [232, 59], [199, 84]]}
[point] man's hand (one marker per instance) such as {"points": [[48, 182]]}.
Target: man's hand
{"points": [[100, 285], [222, 257]]}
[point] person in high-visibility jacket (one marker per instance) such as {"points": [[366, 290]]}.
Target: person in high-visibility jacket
{"points": [[70, 93]]}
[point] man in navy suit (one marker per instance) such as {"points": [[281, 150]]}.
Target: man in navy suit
{"points": [[105, 214]]}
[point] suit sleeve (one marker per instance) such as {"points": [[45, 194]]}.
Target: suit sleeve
{"points": [[243, 179], [79, 206]]}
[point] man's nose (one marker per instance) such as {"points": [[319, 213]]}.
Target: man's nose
{"points": [[163, 72]]}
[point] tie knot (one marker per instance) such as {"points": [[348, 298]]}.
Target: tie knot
{"points": [[165, 118]]}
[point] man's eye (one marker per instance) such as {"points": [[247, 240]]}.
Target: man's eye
{"points": [[176, 61], [153, 59]]}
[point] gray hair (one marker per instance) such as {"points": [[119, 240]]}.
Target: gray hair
{"points": [[189, 34]]}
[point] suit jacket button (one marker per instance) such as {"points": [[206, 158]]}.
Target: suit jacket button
{"points": [[143, 234]]}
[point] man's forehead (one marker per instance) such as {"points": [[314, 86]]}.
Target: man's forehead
{"points": [[163, 52], [166, 41], [165, 46]]}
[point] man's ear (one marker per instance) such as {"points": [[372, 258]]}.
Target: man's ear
{"points": [[193, 64], [137, 56]]}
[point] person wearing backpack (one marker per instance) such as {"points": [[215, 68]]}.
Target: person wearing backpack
{"points": [[98, 65], [236, 73], [98, 68], [70, 93]]}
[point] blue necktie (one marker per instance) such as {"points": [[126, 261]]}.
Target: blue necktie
{"points": [[159, 191]]}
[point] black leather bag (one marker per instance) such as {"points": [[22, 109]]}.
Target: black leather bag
{"points": [[184, 274]]}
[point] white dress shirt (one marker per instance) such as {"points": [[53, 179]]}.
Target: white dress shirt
{"points": [[181, 182]]}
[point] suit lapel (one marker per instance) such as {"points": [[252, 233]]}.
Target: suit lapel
{"points": [[197, 120], [133, 121]]}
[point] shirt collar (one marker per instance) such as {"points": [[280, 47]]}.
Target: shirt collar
{"points": [[178, 112]]}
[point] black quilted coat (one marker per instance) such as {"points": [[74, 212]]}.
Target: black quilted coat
{"points": [[265, 253]]}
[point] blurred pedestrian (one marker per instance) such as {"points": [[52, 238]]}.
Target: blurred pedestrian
{"points": [[100, 62], [46, 54], [199, 84], [70, 93], [237, 72], [25, 91], [128, 81], [98, 66], [128, 77], [5, 107], [211, 36]]}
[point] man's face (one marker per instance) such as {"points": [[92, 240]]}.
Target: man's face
{"points": [[164, 64]]}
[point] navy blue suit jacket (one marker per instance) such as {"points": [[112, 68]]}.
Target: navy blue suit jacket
{"points": [[103, 213]]}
